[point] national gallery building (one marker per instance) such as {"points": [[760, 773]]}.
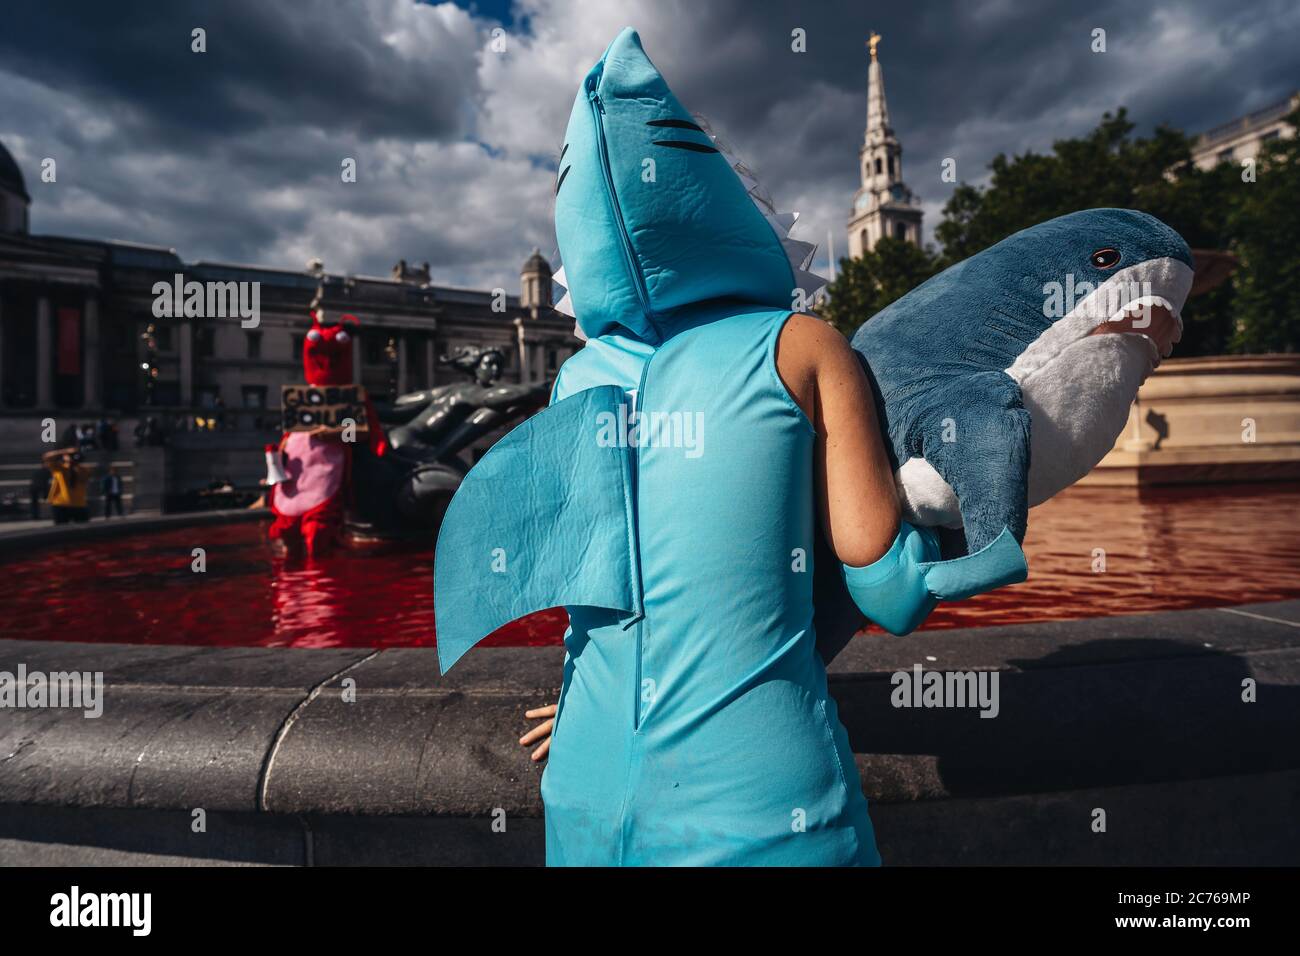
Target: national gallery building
{"points": [[78, 330]]}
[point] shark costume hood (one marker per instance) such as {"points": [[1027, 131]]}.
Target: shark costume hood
{"points": [[652, 218]]}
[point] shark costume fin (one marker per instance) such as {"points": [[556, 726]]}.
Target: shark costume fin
{"points": [[544, 519]]}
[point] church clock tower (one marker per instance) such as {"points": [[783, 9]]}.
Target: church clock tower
{"points": [[883, 205]]}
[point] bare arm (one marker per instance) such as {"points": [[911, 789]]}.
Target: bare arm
{"points": [[52, 458], [856, 498]]}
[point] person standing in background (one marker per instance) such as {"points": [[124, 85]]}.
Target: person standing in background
{"points": [[111, 487], [68, 481], [38, 489]]}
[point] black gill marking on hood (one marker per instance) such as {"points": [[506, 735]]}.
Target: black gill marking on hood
{"points": [[675, 124], [682, 144], [563, 172]]}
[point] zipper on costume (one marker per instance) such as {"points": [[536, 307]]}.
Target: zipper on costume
{"points": [[637, 406], [638, 280], [643, 296]]}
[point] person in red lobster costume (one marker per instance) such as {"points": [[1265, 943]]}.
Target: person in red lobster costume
{"points": [[312, 488]]}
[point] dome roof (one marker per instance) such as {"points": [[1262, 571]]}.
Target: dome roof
{"points": [[535, 263], [11, 178]]}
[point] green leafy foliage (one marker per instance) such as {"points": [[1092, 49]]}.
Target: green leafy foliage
{"points": [[1257, 310]]}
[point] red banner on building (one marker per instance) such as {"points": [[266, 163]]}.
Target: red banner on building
{"points": [[69, 351]]}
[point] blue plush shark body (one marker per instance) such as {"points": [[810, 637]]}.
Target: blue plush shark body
{"points": [[993, 392]]}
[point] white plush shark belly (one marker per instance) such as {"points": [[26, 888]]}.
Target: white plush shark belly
{"points": [[1078, 406]]}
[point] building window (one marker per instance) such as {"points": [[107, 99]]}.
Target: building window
{"points": [[373, 348], [208, 396], [900, 230], [891, 167], [552, 359], [1271, 134], [205, 343], [877, 165], [255, 346], [254, 396], [124, 337], [167, 393], [1225, 155]]}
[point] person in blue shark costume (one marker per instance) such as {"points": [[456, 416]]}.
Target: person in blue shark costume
{"points": [[666, 498]]}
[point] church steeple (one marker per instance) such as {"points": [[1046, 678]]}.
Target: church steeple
{"points": [[883, 205], [877, 108]]}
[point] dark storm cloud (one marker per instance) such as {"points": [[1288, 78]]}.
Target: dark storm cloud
{"points": [[235, 153], [968, 80], [266, 63]]}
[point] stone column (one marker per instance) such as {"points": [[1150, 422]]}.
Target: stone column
{"points": [[430, 363], [44, 355], [401, 363], [91, 396], [525, 373], [186, 329]]}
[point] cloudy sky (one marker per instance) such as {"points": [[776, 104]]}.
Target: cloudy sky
{"points": [[234, 154]]}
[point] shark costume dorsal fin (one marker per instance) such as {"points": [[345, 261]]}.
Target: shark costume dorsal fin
{"points": [[544, 519]]}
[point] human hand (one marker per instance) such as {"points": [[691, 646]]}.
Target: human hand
{"points": [[541, 732]]}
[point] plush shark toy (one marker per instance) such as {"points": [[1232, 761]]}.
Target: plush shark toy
{"points": [[993, 385]]}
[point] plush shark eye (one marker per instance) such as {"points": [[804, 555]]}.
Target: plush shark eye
{"points": [[1105, 258], [342, 336], [313, 336]]}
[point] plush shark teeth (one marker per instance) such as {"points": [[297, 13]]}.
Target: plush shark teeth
{"points": [[1149, 301]]}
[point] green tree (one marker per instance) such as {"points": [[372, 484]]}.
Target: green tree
{"points": [[867, 284], [1264, 223], [1107, 167], [1216, 209]]}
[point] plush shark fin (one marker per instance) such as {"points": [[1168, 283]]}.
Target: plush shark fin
{"points": [[986, 463], [544, 519]]}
